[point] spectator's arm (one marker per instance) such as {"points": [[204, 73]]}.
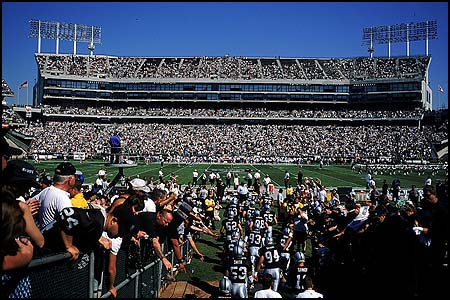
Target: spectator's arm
{"points": [[67, 239], [30, 225], [172, 198], [33, 205], [196, 228], [105, 243], [177, 250], [194, 247], [112, 271], [158, 251], [195, 216], [288, 241]]}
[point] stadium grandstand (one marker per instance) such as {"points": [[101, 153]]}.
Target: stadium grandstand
{"points": [[11, 119], [345, 104]]}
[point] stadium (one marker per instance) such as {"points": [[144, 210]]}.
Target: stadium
{"points": [[327, 116]]}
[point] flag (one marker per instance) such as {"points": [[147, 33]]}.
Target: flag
{"points": [[440, 89], [23, 85]]}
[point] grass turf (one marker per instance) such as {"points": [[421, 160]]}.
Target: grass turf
{"points": [[331, 176]]}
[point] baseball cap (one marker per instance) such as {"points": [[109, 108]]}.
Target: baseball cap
{"points": [[138, 184], [65, 169], [128, 222], [7, 149], [20, 171]]}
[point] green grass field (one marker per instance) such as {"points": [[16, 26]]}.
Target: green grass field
{"points": [[331, 176]]}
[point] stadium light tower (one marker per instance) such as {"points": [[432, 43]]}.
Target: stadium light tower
{"points": [[63, 31], [404, 32]]}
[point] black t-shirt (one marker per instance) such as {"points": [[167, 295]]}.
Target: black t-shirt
{"points": [[172, 228], [147, 223], [85, 225], [150, 226]]}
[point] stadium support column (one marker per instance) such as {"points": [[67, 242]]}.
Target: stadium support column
{"points": [[407, 40], [389, 41], [39, 37], [91, 46], [57, 38], [426, 40], [371, 43], [75, 40]]}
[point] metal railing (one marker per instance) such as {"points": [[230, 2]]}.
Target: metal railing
{"points": [[55, 276]]}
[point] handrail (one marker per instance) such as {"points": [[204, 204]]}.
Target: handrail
{"points": [[49, 259], [142, 287]]}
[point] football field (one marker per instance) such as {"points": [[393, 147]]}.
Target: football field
{"points": [[330, 176]]}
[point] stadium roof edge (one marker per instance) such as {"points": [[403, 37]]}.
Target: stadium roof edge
{"points": [[242, 57]]}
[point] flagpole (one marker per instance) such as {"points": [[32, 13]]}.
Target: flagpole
{"points": [[27, 94], [440, 91]]}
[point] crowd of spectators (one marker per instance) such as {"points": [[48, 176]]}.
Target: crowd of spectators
{"points": [[237, 143], [6, 90], [437, 134], [404, 244], [41, 218], [9, 116], [230, 67], [232, 112]]}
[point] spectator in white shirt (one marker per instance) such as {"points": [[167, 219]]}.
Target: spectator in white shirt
{"points": [[267, 291], [309, 291]]}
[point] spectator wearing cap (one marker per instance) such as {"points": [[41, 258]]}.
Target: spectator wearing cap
{"points": [[7, 151], [140, 188], [101, 178], [136, 187], [55, 198], [18, 177]]}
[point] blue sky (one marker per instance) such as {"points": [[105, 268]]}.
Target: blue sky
{"points": [[286, 29]]}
